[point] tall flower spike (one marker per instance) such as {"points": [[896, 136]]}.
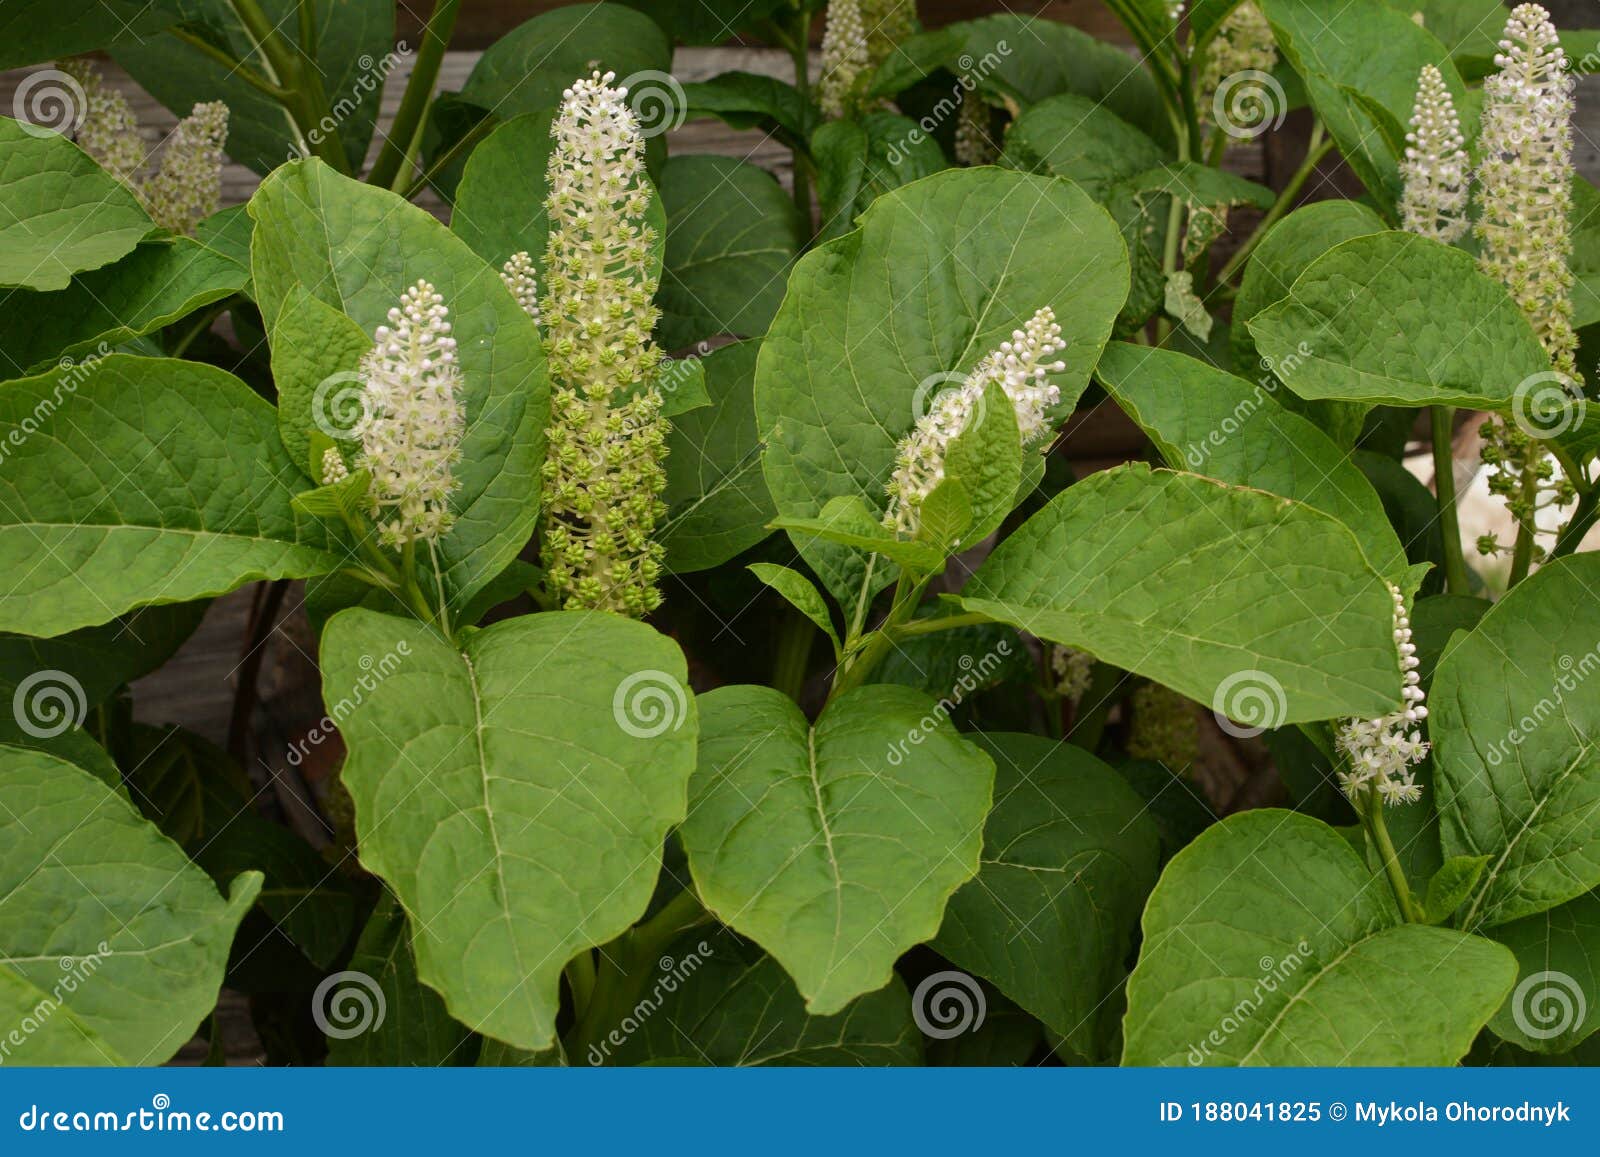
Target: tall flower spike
{"points": [[519, 276], [1019, 366], [189, 183], [603, 473], [844, 57], [411, 422], [1382, 752], [1435, 167], [1525, 178], [108, 131], [1243, 43]]}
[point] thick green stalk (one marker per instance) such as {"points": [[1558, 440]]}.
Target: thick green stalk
{"points": [[304, 100], [1457, 582], [1371, 813], [800, 52], [793, 657], [418, 96]]}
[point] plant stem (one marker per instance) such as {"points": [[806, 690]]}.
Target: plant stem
{"points": [[1527, 527], [1319, 147], [235, 67], [793, 655], [1371, 813], [1088, 726], [244, 695], [1457, 581], [469, 140], [800, 53], [942, 623], [1582, 521], [303, 101], [907, 594], [580, 974], [408, 119]]}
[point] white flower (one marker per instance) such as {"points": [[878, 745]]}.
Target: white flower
{"points": [[1435, 167], [1382, 752], [412, 421], [518, 274], [1019, 366], [333, 467], [845, 57], [108, 132], [188, 185], [1525, 178]]}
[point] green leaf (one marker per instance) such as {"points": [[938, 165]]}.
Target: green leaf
{"points": [[100, 659], [728, 1005], [945, 516], [514, 794], [859, 161], [414, 1028], [159, 283], [1555, 1005], [801, 595], [716, 496], [1293, 620], [34, 31], [84, 879], [986, 459], [1215, 424], [835, 846], [1068, 858], [316, 355], [1403, 321], [1451, 885], [746, 100], [354, 39], [180, 491], [357, 248], [1201, 185], [846, 521], [1268, 942], [1072, 136], [499, 205], [732, 233], [60, 213], [873, 321], [1514, 753], [527, 68]]}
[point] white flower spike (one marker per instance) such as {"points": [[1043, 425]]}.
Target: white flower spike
{"points": [[188, 185], [412, 422], [845, 57], [520, 278], [1434, 203], [1382, 752]]}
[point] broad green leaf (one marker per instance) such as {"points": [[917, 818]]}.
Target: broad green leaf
{"points": [[1268, 942], [1201, 185], [1556, 1003], [746, 100], [106, 918], [413, 1027], [724, 1004], [527, 68], [179, 491], [846, 521], [34, 31], [732, 233], [60, 213], [75, 745], [513, 793], [716, 496], [1072, 136], [986, 459], [354, 39], [357, 248], [316, 356], [100, 659], [1451, 885], [834, 846], [800, 594], [958, 661], [1068, 858], [1513, 729], [1400, 320], [1434, 622], [499, 205], [1226, 595], [877, 321], [1215, 424], [859, 161], [159, 283]]}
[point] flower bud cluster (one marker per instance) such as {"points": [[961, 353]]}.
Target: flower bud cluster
{"points": [[1434, 203], [1382, 752]]}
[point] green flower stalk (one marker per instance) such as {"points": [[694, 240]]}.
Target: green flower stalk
{"points": [[604, 474], [412, 421], [520, 278], [1434, 203]]}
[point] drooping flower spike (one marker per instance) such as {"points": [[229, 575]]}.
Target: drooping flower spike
{"points": [[1382, 752], [604, 475], [1019, 366], [412, 421], [108, 130], [188, 186], [1434, 203]]}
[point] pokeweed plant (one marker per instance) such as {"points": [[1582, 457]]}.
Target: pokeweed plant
{"points": [[722, 658]]}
